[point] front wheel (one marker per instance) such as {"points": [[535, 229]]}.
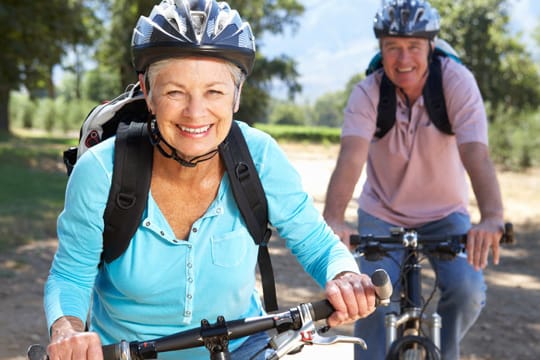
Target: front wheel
{"points": [[413, 348]]}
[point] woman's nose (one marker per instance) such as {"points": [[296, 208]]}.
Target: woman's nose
{"points": [[195, 106]]}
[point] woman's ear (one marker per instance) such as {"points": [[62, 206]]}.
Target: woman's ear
{"points": [[145, 92], [236, 105]]}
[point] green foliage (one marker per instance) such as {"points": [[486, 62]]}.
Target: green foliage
{"points": [[46, 114], [515, 139], [328, 109], [31, 197], [287, 113], [504, 69], [312, 134], [99, 85], [22, 110]]}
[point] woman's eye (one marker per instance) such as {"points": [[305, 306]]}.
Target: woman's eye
{"points": [[215, 92]]}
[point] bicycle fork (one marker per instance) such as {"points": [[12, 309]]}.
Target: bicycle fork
{"points": [[393, 322]]}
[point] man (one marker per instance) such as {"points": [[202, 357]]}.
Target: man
{"points": [[416, 173]]}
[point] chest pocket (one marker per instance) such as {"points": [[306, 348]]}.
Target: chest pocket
{"points": [[230, 249]]}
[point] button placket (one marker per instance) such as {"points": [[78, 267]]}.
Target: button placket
{"points": [[190, 284]]}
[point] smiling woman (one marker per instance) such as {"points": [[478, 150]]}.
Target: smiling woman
{"points": [[192, 58]]}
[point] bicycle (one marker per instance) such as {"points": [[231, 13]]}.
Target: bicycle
{"points": [[405, 334], [294, 329]]}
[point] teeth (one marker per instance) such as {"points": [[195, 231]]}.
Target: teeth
{"points": [[199, 130], [405, 69]]}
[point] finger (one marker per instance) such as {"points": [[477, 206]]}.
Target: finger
{"points": [[333, 294], [495, 249], [478, 251], [486, 244], [470, 248]]}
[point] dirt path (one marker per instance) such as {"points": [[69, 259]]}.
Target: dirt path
{"points": [[509, 327]]}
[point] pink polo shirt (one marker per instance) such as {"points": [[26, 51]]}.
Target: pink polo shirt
{"points": [[414, 173]]}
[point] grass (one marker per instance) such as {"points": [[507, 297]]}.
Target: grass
{"points": [[32, 188]]}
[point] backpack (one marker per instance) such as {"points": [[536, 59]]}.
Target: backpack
{"points": [[126, 117], [433, 92]]}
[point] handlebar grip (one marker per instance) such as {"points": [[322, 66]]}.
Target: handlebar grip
{"points": [[508, 236], [383, 285], [111, 352], [322, 309]]}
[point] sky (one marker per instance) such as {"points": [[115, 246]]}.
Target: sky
{"points": [[335, 41]]}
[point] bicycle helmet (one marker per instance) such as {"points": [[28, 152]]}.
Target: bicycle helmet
{"points": [[407, 18], [192, 27]]}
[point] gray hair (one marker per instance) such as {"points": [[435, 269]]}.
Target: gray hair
{"points": [[237, 74]]}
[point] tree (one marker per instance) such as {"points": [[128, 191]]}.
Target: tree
{"points": [[35, 36], [504, 69], [272, 16]]}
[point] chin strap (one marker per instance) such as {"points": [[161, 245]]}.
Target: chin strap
{"points": [[156, 139]]}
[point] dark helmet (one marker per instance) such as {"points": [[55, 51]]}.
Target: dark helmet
{"points": [[192, 27], [407, 18]]}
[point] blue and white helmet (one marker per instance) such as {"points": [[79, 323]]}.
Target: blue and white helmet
{"points": [[407, 18], [192, 27]]}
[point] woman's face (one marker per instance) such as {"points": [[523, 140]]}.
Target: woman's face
{"points": [[405, 62], [193, 100]]}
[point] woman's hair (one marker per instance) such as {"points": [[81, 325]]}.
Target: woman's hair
{"points": [[237, 74]]}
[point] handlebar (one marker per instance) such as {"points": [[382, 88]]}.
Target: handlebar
{"points": [[296, 324], [374, 246], [287, 320]]}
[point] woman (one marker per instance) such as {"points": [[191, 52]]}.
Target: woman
{"points": [[192, 256]]}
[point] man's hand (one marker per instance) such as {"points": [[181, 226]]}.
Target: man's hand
{"points": [[343, 231], [352, 296], [480, 239]]}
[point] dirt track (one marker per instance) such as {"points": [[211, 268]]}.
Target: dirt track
{"points": [[509, 327]]}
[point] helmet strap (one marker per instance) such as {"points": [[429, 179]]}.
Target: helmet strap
{"points": [[158, 141]]}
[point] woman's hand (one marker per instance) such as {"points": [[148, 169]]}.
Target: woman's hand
{"points": [[70, 341], [353, 297]]}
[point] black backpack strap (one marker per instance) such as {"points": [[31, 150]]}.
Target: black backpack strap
{"points": [[386, 110], [251, 200], [128, 195], [434, 101]]}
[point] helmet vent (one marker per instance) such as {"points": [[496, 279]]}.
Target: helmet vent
{"points": [[198, 19]]}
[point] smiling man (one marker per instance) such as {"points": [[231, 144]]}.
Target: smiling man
{"points": [[418, 153]]}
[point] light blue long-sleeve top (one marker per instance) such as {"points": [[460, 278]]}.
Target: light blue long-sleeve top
{"points": [[162, 285]]}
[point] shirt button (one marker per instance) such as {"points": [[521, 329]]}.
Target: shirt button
{"points": [[195, 230], [189, 265], [189, 296], [190, 280], [162, 233], [218, 210], [187, 313], [147, 223]]}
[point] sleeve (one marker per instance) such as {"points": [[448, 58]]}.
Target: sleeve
{"points": [[464, 103], [360, 114], [296, 219], [80, 226]]}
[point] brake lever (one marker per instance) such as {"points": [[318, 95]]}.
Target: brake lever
{"points": [[292, 341]]}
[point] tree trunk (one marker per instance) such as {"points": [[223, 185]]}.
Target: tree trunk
{"points": [[4, 108]]}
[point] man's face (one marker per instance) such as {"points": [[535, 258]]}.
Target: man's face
{"points": [[405, 62]]}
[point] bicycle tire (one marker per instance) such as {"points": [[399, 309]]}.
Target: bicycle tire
{"points": [[413, 347]]}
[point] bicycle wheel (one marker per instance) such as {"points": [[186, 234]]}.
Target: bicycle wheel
{"points": [[413, 348]]}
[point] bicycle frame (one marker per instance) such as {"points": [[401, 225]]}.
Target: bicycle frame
{"points": [[410, 318], [404, 330]]}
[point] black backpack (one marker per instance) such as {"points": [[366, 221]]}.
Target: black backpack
{"points": [[126, 117], [433, 93]]}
